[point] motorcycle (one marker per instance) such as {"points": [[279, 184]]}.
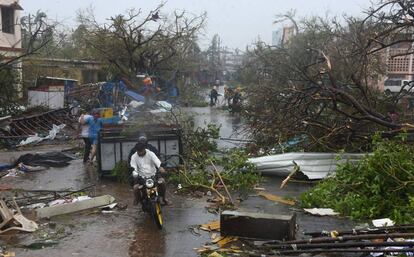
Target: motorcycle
{"points": [[150, 200]]}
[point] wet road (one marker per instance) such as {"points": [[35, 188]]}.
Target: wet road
{"points": [[231, 125], [122, 233], [130, 232]]}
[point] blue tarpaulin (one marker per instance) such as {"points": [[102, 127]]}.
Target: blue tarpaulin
{"points": [[4, 166], [135, 96], [106, 94]]}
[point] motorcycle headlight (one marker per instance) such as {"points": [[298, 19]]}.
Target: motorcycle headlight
{"points": [[149, 183]]}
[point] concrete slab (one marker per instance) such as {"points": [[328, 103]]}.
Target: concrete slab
{"points": [[258, 225]]}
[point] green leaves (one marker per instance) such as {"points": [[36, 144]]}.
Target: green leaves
{"points": [[121, 172], [201, 149], [381, 185]]}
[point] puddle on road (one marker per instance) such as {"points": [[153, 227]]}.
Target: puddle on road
{"points": [[148, 241], [175, 239]]}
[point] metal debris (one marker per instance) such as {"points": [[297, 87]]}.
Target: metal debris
{"points": [[19, 129]]}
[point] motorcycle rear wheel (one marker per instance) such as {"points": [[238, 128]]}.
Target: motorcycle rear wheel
{"points": [[157, 214]]}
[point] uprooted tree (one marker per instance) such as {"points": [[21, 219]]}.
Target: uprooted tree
{"points": [[320, 86], [135, 43]]}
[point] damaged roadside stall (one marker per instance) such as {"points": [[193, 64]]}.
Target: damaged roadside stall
{"points": [[33, 129], [116, 142]]}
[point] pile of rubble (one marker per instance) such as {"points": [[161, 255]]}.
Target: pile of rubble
{"points": [[256, 234], [34, 128]]}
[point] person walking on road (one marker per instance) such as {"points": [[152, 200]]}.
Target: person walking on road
{"points": [[83, 132], [213, 96], [95, 126]]}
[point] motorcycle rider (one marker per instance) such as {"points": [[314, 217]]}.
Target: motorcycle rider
{"points": [[143, 139], [145, 164]]}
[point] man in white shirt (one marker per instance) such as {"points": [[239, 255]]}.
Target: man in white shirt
{"points": [[145, 165]]}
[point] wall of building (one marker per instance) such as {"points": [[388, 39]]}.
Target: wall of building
{"points": [[82, 71], [11, 43], [398, 68]]}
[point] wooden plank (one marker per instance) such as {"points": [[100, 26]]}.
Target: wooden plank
{"points": [[74, 207]]}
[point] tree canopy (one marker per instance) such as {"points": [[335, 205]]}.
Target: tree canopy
{"points": [[321, 86], [135, 43]]}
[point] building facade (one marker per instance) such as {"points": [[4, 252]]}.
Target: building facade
{"points": [[83, 71], [11, 35], [399, 67], [282, 36]]}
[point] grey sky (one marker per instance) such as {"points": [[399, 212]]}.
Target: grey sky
{"points": [[238, 22]]}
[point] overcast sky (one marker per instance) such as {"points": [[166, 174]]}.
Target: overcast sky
{"points": [[238, 22]]}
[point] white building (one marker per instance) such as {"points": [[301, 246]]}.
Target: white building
{"points": [[282, 36], [11, 35], [277, 36]]}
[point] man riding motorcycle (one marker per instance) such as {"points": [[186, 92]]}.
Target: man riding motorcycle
{"points": [[146, 164]]}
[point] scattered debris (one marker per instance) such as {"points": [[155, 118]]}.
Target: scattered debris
{"points": [[5, 123], [211, 226], [293, 173], [363, 231], [5, 166], [312, 165], [34, 139], [223, 241], [375, 243], [122, 206], [322, 212], [276, 198], [16, 221], [50, 159], [259, 188], [4, 253], [21, 128], [383, 223], [222, 182], [72, 207], [21, 169], [108, 207], [215, 254], [40, 244], [33, 199], [195, 230]]}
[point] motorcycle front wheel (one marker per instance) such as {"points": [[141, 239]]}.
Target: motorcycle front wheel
{"points": [[157, 214]]}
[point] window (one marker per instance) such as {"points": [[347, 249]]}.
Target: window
{"points": [[88, 76], [392, 83], [7, 20]]}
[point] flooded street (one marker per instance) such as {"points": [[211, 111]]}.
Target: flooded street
{"points": [[123, 233], [231, 125], [131, 232], [99, 98]]}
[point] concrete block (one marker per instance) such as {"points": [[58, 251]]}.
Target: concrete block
{"points": [[258, 225]]}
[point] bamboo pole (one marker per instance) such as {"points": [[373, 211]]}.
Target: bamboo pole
{"points": [[222, 182], [347, 238], [363, 231], [339, 245], [353, 250]]}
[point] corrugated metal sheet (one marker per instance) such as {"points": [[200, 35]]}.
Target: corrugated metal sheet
{"points": [[312, 165]]}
